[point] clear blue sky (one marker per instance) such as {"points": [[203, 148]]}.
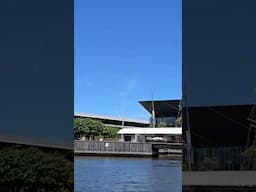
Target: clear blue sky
{"points": [[124, 49]]}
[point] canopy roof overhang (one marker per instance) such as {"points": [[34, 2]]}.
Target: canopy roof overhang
{"points": [[218, 125], [163, 108]]}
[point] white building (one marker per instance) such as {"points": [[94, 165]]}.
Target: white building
{"points": [[136, 134]]}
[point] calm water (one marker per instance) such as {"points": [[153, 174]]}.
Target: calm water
{"points": [[93, 174]]}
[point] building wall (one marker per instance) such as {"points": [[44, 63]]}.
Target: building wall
{"points": [[218, 52], [218, 75], [144, 138]]}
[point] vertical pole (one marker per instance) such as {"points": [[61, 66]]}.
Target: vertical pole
{"points": [[122, 123], [153, 112]]}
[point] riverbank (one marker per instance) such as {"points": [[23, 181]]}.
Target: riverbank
{"points": [[126, 149]]}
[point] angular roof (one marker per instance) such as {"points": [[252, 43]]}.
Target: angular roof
{"points": [[163, 108]]}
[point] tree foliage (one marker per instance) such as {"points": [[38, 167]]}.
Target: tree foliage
{"points": [[32, 169], [109, 132], [90, 128], [178, 122], [250, 153], [249, 157], [87, 127], [162, 124], [80, 128]]}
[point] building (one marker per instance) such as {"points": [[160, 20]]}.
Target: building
{"points": [[218, 80], [165, 134], [217, 132], [115, 121], [166, 111]]}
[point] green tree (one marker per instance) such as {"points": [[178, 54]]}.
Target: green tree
{"points": [[162, 124], [31, 169], [114, 132], [178, 122], [88, 127], [109, 132], [80, 128], [249, 157], [95, 127]]}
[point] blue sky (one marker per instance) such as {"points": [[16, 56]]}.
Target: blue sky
{"points": [[124, 50]]}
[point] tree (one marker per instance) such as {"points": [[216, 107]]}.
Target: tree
{"points": [[249, 157], [88, 127], [178, 122], [80, 128], [109, 132], [31, 169], [162, 124], [96, 127]]}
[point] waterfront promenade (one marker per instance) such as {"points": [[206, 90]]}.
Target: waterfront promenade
{"points": [[218, 181], [125, 148]]}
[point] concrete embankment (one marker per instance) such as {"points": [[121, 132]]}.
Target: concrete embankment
{"points": [[101, 148], [218, 181]]}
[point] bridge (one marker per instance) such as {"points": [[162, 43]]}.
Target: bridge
{"points": [[114, 121]]}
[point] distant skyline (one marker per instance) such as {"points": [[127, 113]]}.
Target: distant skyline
{"points": [[124, 51]]}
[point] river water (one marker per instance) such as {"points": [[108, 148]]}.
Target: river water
{"points": [[104, 174]]}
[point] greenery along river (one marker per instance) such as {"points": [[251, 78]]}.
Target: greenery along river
{"points": [[94, 174]]}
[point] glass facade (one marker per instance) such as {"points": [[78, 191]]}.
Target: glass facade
{"points": [[164, 121]]}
